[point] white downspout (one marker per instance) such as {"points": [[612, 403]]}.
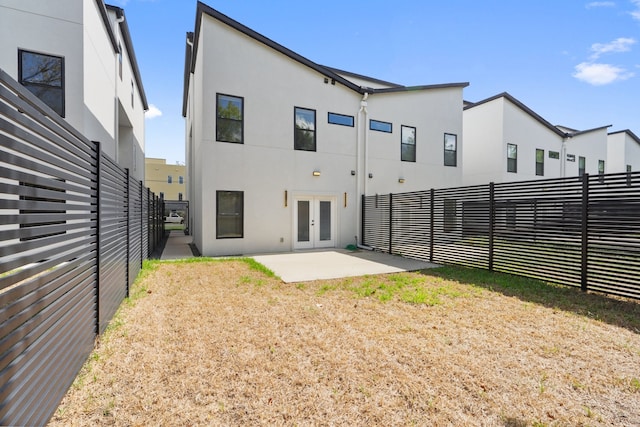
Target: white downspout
{"points": [[359, 175], [116, 130], [563, 158]]}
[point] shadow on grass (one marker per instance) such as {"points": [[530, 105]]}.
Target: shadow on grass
{"points": [[621, 312]]}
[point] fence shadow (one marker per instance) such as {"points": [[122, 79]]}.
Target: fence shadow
{"points": [[617, 311]]}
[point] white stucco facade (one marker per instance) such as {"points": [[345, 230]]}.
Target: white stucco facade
{"points": [[542, 150], [89, 37], [275, 179], [623, 151]]}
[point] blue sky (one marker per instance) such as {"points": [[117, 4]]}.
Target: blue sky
{"points": [[576, 63]]}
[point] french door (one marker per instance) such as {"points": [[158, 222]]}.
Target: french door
{"points": [[314, 220]]}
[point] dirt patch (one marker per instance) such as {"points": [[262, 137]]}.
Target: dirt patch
{"points": [[221, 344]]}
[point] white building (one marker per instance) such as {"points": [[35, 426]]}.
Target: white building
{"points": [[623, 151], [507, 141], [280, 149], [77, 56]]}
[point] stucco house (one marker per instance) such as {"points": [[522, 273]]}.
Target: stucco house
{"points": [[81, 63], [280, 149], [623, 151], [507, 141]]}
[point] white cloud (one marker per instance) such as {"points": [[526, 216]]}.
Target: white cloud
{"points": [[621, 44], [600, 74], [600, 4], [636, 13], [153, 112]]}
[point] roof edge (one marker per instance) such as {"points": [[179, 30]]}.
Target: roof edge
{"points": [[628, 132], [362, 76], [580, 132], [418, 88]]}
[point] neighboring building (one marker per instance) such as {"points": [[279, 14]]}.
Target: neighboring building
{"points": [[77, 56], [623, 151], [507, 141], [280, 149], [167, 181]]}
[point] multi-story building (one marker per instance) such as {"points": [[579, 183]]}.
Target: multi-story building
{"points": [[81, 63], [280, 149], [165, 180]]}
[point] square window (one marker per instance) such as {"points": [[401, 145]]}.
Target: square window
{"points": [[512, 158], [43, 75], [380, 126], [408, 143], [450, 149], [229, 214], [229, 118], [304, 129]]}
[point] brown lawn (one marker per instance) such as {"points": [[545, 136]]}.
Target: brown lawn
{"points": [[219, 343]]}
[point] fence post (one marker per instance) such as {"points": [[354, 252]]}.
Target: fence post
{"points": [[492, 221], [363, 217], [431, 219], [98, 231], [141, 222], [390, 223], [128, 209], [585, 231]]}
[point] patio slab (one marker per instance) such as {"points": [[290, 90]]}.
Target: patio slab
{"points": [[336, 263]]}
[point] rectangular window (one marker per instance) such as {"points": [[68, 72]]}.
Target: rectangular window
{"points": [[43, 75], [450, 149], [601, 167], [582, 165], [304, 129], [512, 158], [629, 168], [162, 195], [229, 118], [408, 143], [450, 215], [169, 179], [180, 196], [539, 162], [229, 214], [380, 126], [554, 155], [340, 119], [180, 180]]}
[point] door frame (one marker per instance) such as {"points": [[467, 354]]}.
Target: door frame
{"points": [[314, 241]]}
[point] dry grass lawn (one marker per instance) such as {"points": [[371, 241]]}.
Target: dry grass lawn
{"points": [[222, 343]]}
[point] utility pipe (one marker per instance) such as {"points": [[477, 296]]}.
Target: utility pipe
{"points": [[363, 106]]}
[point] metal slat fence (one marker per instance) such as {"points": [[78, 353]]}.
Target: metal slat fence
{"points": [[577, 231], [66, 223]]}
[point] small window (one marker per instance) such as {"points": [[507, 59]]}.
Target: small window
{"points": [[43, 75], [512, 158], [179, 196], [601, 167], [629, 168], [554, 155], [304, 129], [120, 60], [180, 180], [408, 143], [340, 119], [229, 118], [169, 179], [450, 149], [380, 126], [582, 165], [162, 195], [229, 214], [539, 162]]}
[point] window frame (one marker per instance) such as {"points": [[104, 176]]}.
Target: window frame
{"points": [[219, 137], [330, 114], [180, 179], [539, 162], [454, 151], [372, 121], [512, 166], [297, 145], [554, 155], [169, 179], [27, 84], [404, 144], [220, 216], [582, 165]]}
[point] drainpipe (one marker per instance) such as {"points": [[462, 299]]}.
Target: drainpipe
{"points": [[563, 158], [116, 122], [359, 176]]}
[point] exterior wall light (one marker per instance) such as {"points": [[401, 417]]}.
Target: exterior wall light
{"points": [[353, 173], [370, 175], [401, 180], [316, 173]]}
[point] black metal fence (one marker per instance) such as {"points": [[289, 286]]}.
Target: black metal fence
{"points": [[578, 231], [74, 230]]}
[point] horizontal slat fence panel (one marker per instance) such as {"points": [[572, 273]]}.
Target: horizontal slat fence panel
{"points": [[577, 231], [64, 251]]}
